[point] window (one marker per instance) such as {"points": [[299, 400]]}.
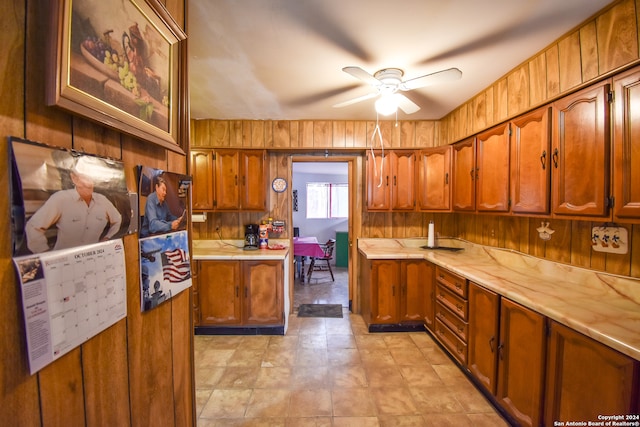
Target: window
{"points": [[326, 200]]}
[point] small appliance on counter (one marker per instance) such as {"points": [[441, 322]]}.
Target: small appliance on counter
{"points": [[251, 237]]}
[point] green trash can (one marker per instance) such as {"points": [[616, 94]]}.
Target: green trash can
{"points": [[342, 249]]}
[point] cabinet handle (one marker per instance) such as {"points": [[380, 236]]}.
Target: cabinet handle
{"points": [[491, 340], [237, 291], [459, 307], [387, 180], [395, 182], [472, 175], [543, 159], [500, 347], [446, 178], [555, 158], [458, 286], [441, 332], [460, 329], [236, 179]]}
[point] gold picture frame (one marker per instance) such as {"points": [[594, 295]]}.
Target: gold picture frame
{"points": [[116, 63]]}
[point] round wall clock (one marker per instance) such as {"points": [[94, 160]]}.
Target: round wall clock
{"points": [[279, 185]]}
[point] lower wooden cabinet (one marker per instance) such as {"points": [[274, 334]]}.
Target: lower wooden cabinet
{"points": [[507, 345], [240, 293], [397, 291], [586, 378]]}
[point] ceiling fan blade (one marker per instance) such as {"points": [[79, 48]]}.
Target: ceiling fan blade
{"points": [[405, 104], [361, 74], [431, 79], [355, 100]]}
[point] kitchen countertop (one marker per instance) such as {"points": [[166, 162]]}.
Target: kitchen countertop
{"points": [[602, 306], [233, 250]]}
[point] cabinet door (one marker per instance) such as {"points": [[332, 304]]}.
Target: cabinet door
{"points": [[253, 180], [464, 175], [434, 175], [416, 278], [626, 146], [385, 291], [530, 162], [202, 173], [403, 166], [219, 291], [263, 289], [586, 378], [521, 362], [227, 180], [484, 311], [581, 146], [492, 170], [378, 185]]}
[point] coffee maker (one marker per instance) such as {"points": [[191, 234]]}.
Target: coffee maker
{"points": [[251, 237]]}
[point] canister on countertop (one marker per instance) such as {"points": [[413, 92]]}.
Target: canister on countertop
{"points": [[263, 236]]}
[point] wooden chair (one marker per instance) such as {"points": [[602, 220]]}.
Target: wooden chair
{"points": [[327, 257]]}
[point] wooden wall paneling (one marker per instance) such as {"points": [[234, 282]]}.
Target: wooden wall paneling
{"points": [[322, 134], [89, 137], [281, 134], [182, 351], [446, 223], [407, 133], [589, 51], [360, 138], [236, 135], [518, 91], [536, 244], [634, 249], [106, 378], [246, 134], [581, 243], [349, 134], [464, 126], [200, 133], [268, 134], [398, 222], [598, 259], [413, 225], [617, 36], [306, 134], [552, 60], [62, 391], [258, 134], [537, 80], [12, 63], [375, 224], [500, 100], [515, 234], [569, 61], [294, 134], [338, 138], [220, 133], [559, 247], [425, 134], [479, 112]]}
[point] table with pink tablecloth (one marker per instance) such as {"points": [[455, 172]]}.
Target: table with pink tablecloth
{"points": [[304, 247]]}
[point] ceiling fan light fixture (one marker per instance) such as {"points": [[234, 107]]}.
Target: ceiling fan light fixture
{"points": [[387, 104]]}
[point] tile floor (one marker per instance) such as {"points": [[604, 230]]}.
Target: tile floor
{"points": [[332, 372]]}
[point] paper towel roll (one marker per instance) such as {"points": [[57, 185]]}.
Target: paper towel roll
{"points": [[431, 236]]}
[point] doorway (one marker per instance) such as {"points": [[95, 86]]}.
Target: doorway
{"points": [[322, 200]]}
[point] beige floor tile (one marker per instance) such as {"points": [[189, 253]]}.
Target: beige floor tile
{"points": [[226, 404], [420, 376], [340, 341], [402, 421], [448, 420], [208, 377], [268, 403], [344, 356], [352, 402], [451, 375], [377, 357], [393, 401], [308, 422], [471, 400], [370, 342], [312, 357], [348, 377], [202, 397], [384, 376], [310, 403], [279, 356], [238, 377], [356, 422], [313, 341], [309, 377], [246, 357], [399, 341], [211, 357], [276, 377], [435, 400], [283, 342], [408, 356], [487, 420]]}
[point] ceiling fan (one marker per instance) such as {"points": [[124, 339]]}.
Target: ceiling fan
{"points": [[388, 82]]}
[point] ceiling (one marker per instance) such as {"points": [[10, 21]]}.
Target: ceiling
{"points": [[283, 59]]}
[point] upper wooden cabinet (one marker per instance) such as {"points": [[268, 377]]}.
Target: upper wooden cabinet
{"points": [[626, 147], [580, 153], [464, 175], [530, 162], [492, 170], [202, 173], [391, 181], [240, 180], [433, 192]]}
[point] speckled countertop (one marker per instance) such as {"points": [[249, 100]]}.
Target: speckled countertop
{"points": [[603, 306], [233, 250]]}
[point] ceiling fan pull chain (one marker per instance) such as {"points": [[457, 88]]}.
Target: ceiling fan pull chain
{"points": [[377, 131]]}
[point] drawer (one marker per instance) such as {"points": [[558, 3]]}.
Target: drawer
{"points": [[452, 343], [457, 325], [452, 301], [457, 284]]}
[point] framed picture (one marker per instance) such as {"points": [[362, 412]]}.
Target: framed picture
{"points": [[116, 62]]}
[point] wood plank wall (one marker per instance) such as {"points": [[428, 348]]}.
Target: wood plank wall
{"points": [[139, 371], [599, 48]]}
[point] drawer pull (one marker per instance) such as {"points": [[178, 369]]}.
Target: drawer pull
{"points": [[460, 329], [442, 276], [460, 350], [459, 307], [458, 285], [491, 340], [441, 332]]}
